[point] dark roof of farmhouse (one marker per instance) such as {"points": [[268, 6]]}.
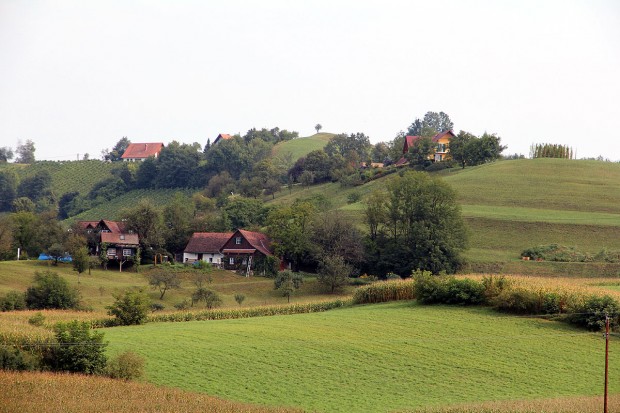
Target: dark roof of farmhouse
{"points": [[258, 240], [207, 242]]}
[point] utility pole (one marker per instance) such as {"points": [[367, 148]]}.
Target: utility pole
{"points": [[606, 360]]}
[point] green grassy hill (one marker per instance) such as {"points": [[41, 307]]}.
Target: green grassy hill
{"points": [[67, 176], [513, 205], [373, 358], [302, 146]]}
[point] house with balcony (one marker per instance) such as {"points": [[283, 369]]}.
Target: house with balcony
{"points": [[441, 150], [111, 240]]}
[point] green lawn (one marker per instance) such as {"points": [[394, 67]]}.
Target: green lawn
{"points": [[374, 358], [302, 146]]}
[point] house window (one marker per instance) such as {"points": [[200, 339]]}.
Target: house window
{"points": [[111, 252], [231, 261], [238, 241], [210, 259], [127, 252], [245, 261]]}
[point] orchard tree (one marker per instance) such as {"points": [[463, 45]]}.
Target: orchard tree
{"points": [[287, 282], [163, 280], [318, 127], [333, 272], [459, 147]]}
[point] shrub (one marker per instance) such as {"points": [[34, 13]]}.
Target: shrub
{"points": [[157, 307], [183, 305], [444, 289], [202, 266], [13, 358], [239, 298], [51, 291], [131, 307], [37, 320], [518, 301], [555, 252], [590, 313], [77, 350], [125, 366], [210, 297], [13, 300], [353, 197], [493, 286]]}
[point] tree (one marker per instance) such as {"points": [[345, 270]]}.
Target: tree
{"points": [[131, 307], [36, 187], [207, 146], [287, 282], [210, 297], [8, 189], [318, 127], [25, 152], [432, 124], [177, 217], [79, 349], [333, 234], [164, 281], [289, 228], [81, 260], [333, 272], [420, 153], [245, 212], [459, 147], [56, 251], [176, 165], [146, 221], [420, 227], [50, 291], [355, 145], [118, 150], [6, 154]]}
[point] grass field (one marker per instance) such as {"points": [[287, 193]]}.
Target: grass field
{"points": [[386, 357], [302, 146]]}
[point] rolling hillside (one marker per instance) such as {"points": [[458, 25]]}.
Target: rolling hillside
{"points": [[302, 146], [67, 176], [513, 205]]}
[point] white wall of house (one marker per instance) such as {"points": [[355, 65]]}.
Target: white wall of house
{"points": [[215, 258]]}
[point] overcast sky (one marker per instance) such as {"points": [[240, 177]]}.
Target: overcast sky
{"points": [[76, 76]]}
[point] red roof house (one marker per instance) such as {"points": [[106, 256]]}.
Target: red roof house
{"points": [[206, 246], [441, 141], [222, 136], [141, 151]]}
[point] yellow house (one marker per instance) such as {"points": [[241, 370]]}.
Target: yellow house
{"points": [[441, 140]]}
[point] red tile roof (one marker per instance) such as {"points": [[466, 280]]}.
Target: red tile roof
{"points": [[120, 239], [224, 136], [142, 150], [207, 242], [258, 240], [410, 140]]}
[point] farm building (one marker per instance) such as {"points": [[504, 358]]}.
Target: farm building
{"points": [[119, 243], [239, 250], [137, 152], [442, 146], [222, 136]]}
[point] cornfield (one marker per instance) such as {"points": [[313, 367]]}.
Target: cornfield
{"points": [[49, 393], [380, 292]]}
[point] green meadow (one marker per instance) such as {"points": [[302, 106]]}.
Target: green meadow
{"points": [[302, 146], [377, 358]]}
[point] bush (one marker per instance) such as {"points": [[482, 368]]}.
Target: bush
{"points": [[239, 298], [590, 313], [13, 358], [132, 307], [125, 366], [157, 307], [444, 289], [353, 197], [13, 300], [555, 252], [210, 297], [37, 320], [494, 286], [183, 305], [438, 166], [77, 350], [518, 301], [51, 291]]}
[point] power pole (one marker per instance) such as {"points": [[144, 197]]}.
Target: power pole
{"points": [[606, 360]]}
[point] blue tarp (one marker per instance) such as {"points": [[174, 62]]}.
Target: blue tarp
{"points": [[45, 257]]}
